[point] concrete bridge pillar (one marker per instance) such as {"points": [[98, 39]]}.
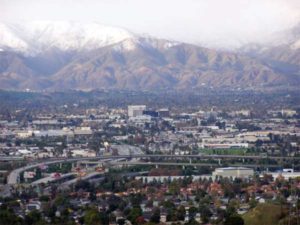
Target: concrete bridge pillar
{"points": [[219, 162], [190, 160], [74, 165], [156, 166]]}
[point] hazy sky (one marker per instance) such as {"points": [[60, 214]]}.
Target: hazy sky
{"points": [[212, 22]]}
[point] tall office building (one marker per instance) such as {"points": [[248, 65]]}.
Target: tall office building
{"points": [[136, 110], [164, 112]]}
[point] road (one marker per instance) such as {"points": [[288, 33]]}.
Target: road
{"points": [[13, 177], [179, 156], [67, 184], [11, 158], [50, 179], [5, 191], [186, 164]]}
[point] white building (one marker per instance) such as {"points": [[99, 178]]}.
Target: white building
{"points": [[288, 112], [33, 205], [234, 172], [24, 133], [83, 131], [140, 121], [24, 152], [83, 153], [224, 146], [136, 110], [285, 173]]}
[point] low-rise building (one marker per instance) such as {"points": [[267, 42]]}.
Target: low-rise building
{"points": [[234, 172]]}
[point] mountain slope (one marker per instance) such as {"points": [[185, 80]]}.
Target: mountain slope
{"points": [[39, 36], [64, 55], [282, 57], [15, 74], [149, 67]]}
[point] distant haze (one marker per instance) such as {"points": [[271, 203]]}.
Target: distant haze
{"points": [[211, 23]]}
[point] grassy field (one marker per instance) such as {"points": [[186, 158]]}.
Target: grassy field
{"points": [[264, 214]]}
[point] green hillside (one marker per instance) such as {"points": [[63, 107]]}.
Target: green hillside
{"points": [[264, 214]]}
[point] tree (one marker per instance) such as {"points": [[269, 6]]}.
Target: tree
{"points": [[140, 220], [104, 218], [155, 218], [192, 222], [136, 199], [252, 203], [33, 217], [234, 220], [60, 200], [181, 213], [192, 211], [7, 217], [168, 204], [232, 207], [92, 217], [44, 198], [121, 221], [174, 188], [205, 212], [134, 214]]}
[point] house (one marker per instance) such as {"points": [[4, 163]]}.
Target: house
{"points": [[33, 205]]}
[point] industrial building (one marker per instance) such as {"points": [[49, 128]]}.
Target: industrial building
{"points": [[234, 172]]}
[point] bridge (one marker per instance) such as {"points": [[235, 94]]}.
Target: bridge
{"points": [[199, 156], [93, 175], [50, 179], [186, 164], [14, 176], [11, 158]]}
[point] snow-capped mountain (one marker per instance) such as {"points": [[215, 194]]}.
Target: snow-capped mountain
{"points": [[283, 55], [39, 36], [63, 55]]}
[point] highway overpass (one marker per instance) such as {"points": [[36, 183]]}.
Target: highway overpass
{"points": [[14, 176], [199, 156]]}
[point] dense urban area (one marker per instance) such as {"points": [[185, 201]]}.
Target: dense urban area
{"points": [[217, 157]]}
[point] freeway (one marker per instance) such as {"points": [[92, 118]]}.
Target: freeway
{"points": [[50, 179], [13, 177], [67, 184], [11, 158], [186, 164], [5, 191], [202, 156]]}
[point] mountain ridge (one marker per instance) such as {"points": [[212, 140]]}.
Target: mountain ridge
{"points": [[32, 38], [126, 61]]}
